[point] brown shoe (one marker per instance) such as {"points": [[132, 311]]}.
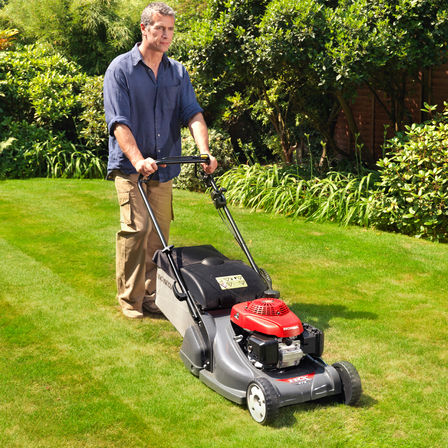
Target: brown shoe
{"points": [[150, 307]]}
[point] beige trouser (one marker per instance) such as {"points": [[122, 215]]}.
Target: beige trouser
{"points": [[137, 240]]}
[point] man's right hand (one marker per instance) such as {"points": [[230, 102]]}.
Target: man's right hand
{"points": [[146, 167], [128, 145]]}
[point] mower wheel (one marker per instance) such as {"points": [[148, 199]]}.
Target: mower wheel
{"points": [[351, 382], [262, 401]]}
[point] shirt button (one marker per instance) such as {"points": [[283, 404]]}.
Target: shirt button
{"points": [[158, 135]]}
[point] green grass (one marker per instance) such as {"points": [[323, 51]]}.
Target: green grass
{"points": [[75, 373]]}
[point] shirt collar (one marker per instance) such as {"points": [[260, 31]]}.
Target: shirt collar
{"points": [[137, 56]]}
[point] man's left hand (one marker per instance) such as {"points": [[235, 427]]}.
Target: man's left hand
{"points": [[211, 166]]}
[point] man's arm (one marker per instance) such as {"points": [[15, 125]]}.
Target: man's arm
{"points": [[130, 149], [199, 131]]}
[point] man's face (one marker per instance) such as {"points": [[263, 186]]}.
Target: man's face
{"points": [[160, 34]]}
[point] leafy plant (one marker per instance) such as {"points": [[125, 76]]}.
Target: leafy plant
{"points": [[33, 151], [288, 68], [92, 127], [343, 198], [7, 37], [55, 97], [41, 85], [91, 32], [54, 114], [413, 198], [408, 193]]}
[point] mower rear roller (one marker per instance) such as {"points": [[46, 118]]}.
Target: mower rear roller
{"points": [[262, 401], [351, 382]]}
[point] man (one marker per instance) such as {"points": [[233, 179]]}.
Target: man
{"points": [[147, 98]]}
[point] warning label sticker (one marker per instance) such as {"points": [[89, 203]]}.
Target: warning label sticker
{"points": [[231, 282]]}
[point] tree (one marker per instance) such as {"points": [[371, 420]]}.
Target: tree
{"points": [[413, 37], [216, 52], [92, 32], [294, 64], [291, 48]]}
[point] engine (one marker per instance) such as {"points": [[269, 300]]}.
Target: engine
{"points": [[272, 336]]}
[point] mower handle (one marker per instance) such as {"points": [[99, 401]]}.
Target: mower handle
{"points": [[203, 158]]}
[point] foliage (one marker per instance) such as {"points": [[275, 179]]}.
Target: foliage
{"points": [[92, 32], [414, 181], [268, 72], [41, 86], [401, 38], [55, 97], [408, 193], [53, 120], [92, 127], [7, 37], [346, 199], [289, 67], [220, 147], [33, 151], [215, 54]]}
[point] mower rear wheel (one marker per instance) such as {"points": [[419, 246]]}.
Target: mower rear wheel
{"points": [[351, 382], [262, 401]]}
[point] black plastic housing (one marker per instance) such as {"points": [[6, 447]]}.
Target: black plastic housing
{"points": [[263, 349], [204, 267], [312, 340]]}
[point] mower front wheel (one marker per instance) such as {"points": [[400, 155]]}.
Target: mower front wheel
{"points": [[351, 382], [262, 401]]}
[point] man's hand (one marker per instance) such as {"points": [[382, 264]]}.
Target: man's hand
{"points": [[146, 166], [211, 167], [128, 145], [199, 131]]}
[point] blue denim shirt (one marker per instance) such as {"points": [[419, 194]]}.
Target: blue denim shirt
{"points": [[153, 109]]}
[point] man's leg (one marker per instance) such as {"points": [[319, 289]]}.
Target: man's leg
{"points": [[131, 245]]}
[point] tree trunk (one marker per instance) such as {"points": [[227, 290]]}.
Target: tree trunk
{"points": [[352, 126]]}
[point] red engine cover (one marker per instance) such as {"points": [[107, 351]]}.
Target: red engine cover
{"points": [[267, 316]]}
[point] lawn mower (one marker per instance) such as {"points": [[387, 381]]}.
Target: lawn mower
{"points": [[239, 336]]}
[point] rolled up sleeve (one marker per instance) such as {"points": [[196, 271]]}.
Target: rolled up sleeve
{"points": [[116, 99]]}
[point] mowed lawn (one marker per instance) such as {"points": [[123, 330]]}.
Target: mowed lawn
{"points": [[75, 373]]}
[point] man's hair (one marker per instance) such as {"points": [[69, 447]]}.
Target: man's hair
{"points": [[153, 8]]}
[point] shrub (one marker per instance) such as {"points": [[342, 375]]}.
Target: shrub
{"points": [[413, 198], [41, 85], [92, 123], [55, 98], [33, 151], [54, 121], [220, 147]]}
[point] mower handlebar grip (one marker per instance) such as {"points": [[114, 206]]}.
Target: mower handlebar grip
{"points": [[203, 158]]}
